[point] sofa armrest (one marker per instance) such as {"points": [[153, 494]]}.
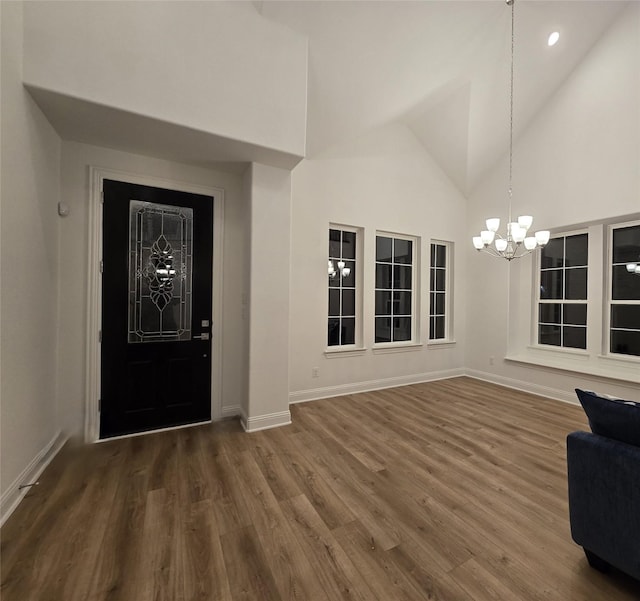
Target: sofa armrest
{"points": [[604, 498]]}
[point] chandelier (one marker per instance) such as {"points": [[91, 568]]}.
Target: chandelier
{"points": [[333, 272], [516, 241], [633, 268]]}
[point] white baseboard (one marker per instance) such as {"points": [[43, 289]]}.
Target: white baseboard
{"points": [[545, 391], [231, 411], [315, 394], [264, 422], [14, 494]]}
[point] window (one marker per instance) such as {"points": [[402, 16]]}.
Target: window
{"points": [[624, 301], [342, 287], [394, 297], [440, 291], [562, 297]]}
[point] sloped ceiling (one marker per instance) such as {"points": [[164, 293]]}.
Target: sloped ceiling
{"points": [[440, 67]]}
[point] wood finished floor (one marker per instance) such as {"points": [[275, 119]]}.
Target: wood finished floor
{"points": [[452, 490]]}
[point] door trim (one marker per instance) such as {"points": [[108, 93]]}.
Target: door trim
{"points": [[97, 175]]}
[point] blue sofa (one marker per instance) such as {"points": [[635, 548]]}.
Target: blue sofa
{"points": [[604, 484]]}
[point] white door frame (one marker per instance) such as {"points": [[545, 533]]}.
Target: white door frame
{"points": [[97, 176]]}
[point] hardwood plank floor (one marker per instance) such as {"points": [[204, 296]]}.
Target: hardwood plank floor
{"points": [[452, 490]]}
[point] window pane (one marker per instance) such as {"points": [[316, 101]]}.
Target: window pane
{"points": [[575, 314], [348, 245], [439, 333], [333, 337], [334, 302], [402, 303], [401, 328], [574, 337], [441, 255], [402, 276], [383, 249], [552, 254], [441, 279], [576, 284], [402, 251], [549, 335], [626, 244], [432, 279], [440, 301], [432, 328], [334, 244], [350, 280], [383, 329], [334, 281], [549, 312], [432, 259], [383, 303], [348, 302], [348, 330], [625, 285], [625, 316], [551, 284], [577, 250], [625, 342], [383, 276]]}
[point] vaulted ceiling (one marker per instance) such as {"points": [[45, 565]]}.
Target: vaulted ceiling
{"points": [[439, 66]]}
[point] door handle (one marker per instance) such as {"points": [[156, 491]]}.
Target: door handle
{"points": [[203, 336]]}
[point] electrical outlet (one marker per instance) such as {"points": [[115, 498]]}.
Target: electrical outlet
{"points": [[315, 372]]}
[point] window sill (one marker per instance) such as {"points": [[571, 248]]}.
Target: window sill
{"points": [[333, 353], [396, 347], [441, 343], [578, 361]]}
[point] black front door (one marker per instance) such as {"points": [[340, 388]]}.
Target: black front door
{"points": [[156, 308]]}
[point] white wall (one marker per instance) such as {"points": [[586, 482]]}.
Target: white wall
{"points": [[579, 161], [268, 380], [29, 242], [76, 159], [382, 181], [217, 67]]}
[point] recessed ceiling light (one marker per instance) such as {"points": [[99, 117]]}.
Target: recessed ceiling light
{"points": [[553, 38]]}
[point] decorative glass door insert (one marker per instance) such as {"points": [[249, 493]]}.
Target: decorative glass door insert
{"points": [[160, 265]]}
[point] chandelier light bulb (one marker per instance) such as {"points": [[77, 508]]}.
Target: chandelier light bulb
{"points": [[525, 221], [345, 272], [553, 38], [518, 234], [501, 244], [487, 237], [530, 242], [493, 224], [542, 237], [632, 267], [341, 265], [478, 243]]}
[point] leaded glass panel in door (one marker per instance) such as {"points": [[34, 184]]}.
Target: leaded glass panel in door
{"points": [[160, 272]]}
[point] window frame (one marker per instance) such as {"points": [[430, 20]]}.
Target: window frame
{"points": [[448, 292], [608, 300], [538, 301], [357, 260], [415, 290]]}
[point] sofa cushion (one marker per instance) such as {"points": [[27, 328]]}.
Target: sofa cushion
{"points": [[611, 417]]}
